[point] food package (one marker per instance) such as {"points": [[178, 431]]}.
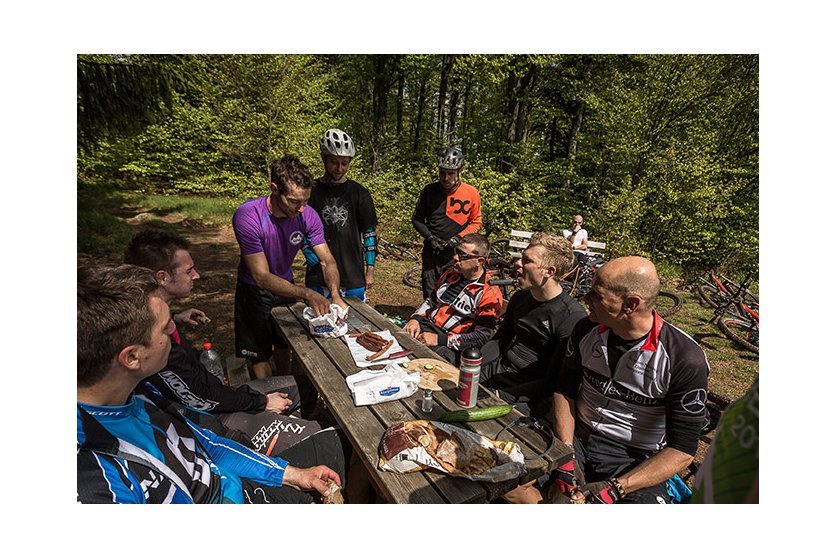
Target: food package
{"points": [[419, 444], [334, 494], [390, 383], [333, 324], [361, 353]]}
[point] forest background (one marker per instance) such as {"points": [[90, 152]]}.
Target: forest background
{"points": [[659, 152]]}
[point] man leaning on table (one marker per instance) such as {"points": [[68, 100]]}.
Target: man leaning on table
{"points": [[270, 231]]}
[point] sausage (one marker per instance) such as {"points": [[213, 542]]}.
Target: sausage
{"points": [[380, 352]]}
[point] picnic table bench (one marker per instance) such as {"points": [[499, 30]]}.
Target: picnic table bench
{"points": [[328, 361]]}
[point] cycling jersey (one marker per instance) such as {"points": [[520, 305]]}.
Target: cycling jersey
{"points": [[447, 214], [184, 379], [145, 452], [468, 318], [731, 468], [443, 215], [279, 239], [347, 213], [655, 396]]}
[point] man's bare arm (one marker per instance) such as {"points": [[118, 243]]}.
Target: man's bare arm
{"points": [[564, 418], [260, 270], [330, 273], [656, 469]]}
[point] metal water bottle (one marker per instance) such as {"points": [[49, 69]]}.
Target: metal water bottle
{"points": [[468, 379]]}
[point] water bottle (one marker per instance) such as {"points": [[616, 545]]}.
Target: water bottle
{"points": [[468, 379], [211, 361]]}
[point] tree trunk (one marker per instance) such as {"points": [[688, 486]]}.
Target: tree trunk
{"points": [[453, 111], [421, 102], [382, 64], [574, 136], [401, 86], [447, 61]]}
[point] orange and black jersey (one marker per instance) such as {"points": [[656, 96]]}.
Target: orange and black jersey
{"points": [[446, 215], [466, 311]]}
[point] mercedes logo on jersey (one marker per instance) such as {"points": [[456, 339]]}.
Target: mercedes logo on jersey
{"points": [[694, 401], [296, 238]]}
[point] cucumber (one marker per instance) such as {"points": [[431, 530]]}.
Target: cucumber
{"points": [[477, 414]]}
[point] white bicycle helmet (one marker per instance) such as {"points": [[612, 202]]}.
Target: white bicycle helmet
{"points": [[451, 159], [337, 142]]}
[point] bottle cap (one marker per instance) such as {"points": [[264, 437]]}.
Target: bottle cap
{"points": [[207, 346], [471, 356]]}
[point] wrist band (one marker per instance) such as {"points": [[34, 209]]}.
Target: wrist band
{"points": [[616, 484]]}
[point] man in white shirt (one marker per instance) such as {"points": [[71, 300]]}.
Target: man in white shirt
{"points": [[576, 234]]}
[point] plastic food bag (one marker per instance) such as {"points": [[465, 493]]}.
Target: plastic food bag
{"points": [[419, 444], [391, 383], [331, 325]]}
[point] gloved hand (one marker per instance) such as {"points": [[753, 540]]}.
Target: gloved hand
{"points": [[568, 477], [437, 243], [454, 241], [601, 492]]}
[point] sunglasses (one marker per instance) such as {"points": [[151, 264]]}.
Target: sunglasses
{"points": [[463, 256], [577, 222]]}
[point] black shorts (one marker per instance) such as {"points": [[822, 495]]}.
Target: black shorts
{"points": [[255, 333], [601, 458]]}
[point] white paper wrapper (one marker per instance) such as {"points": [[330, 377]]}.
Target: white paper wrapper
{"points": [[359, 353], [331, 325], [413, 446], [392, 383]]}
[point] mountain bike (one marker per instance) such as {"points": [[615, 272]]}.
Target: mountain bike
{"points": [[394, 251], [738, 320]]}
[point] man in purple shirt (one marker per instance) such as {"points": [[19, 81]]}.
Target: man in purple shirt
{"points": [[270, 232]]}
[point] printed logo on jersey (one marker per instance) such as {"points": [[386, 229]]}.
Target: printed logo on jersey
{"points": [[464, 303], [694, 401], [462, 206], [569, 349], [180, 388], [335, 214], [296, 238], [597, 350]]}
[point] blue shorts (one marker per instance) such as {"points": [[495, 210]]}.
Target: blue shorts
{"points": [[355, 292]]}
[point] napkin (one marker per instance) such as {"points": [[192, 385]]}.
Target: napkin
{"points": [[391, 383], [359, 353]]}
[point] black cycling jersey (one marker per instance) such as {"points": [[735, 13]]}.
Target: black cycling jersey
{"points": [[185, 380], [654, 397], [347, 211]]}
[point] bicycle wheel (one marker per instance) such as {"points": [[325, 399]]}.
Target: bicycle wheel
{"points": [[748, 297], [743, 332], [667, 304], [412, 277]]}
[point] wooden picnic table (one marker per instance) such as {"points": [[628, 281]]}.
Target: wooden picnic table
{"points": [[328, 361]]}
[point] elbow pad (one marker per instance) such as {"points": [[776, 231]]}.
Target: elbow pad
{"points": [[369, 246]]}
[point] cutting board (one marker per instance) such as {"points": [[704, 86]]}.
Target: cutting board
{"points": [[442, 372]]}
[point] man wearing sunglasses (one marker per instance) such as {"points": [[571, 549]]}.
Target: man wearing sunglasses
{"points": [[576, 234], [463, 309]]}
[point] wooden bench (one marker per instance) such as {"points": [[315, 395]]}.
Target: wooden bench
{"points": [[519, 240]]}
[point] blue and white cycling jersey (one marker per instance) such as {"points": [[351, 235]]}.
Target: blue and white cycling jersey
{"points": [[144, 452]]}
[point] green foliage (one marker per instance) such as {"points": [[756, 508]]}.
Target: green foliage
{"points": [[658, 152]]}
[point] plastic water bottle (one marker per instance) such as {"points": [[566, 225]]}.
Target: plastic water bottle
{"points": [[211, 361], [469, 377]]}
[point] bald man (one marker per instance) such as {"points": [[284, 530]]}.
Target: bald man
{"points": [[630, 394]]}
